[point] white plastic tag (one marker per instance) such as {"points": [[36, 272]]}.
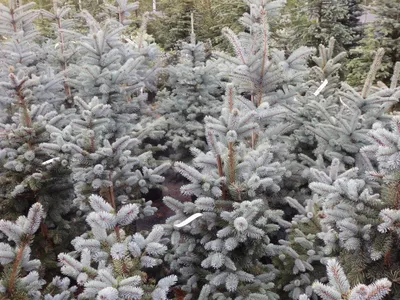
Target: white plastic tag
{"points": [[188, 220], [321, 87], [50, 161], [344, 104]]}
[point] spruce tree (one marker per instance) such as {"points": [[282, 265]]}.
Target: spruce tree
{"points": [[32, 93], [93, 147], [20, 277], [220, 252], [317, 104], [314, 22], [212, 16], [64, 42], [383, 32], [120, 72], [267, 78], [353, 21], [340, 122], [194, 91], [102, 145], [237, 183], [173, 20], [346, 199], [174, 24], [110, 263], [297, 171]]}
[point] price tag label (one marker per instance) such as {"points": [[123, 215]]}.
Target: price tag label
{"points": [[321, 87], [188, 220]]}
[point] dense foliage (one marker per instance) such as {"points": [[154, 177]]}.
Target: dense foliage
{"points": [[383, 31], [291, 173]]}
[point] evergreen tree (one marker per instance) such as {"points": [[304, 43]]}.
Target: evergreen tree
{"points": [[353, 20], [317, 105], [296, 171], [115, 168], [212, 16], [195, 91], [174, 24], [314, 22], [300, 258], [173, 20], [122, 10], [110, 263], [103, 144], [49, 150], [20, 278], [344, 118], [347, 200], [383, 32], [120, 72], [267, 78], [31, 96], [230, 182], [94, 6], [220, 252], [64, 42]]}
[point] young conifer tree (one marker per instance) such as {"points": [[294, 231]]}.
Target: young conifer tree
{"points": [[212, 16], [367, 243], [316, 104], [96, 148], [61, 51], [20, 278], [300, 259], [103, 143], [193, 92], [115, 168], [342, 131], [382, 32], [314, 22], [363, 242], [32, 92], [237, 183], [174, 23], [109, 262], [120, 72], [346, 200], [339, 219], [220, 253], [267, 78]]}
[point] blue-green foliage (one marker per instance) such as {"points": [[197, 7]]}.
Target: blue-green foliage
{"points": [[211, 254], [31, 98], [193, 92], [291, 167]]}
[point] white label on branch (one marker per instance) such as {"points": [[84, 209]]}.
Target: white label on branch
{"points": [[188, 220], [344, 104], [50, 161], [321, 87]]}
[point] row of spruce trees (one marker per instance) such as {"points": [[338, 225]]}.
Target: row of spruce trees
{"points": [[293, 185], [360, 27]]}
